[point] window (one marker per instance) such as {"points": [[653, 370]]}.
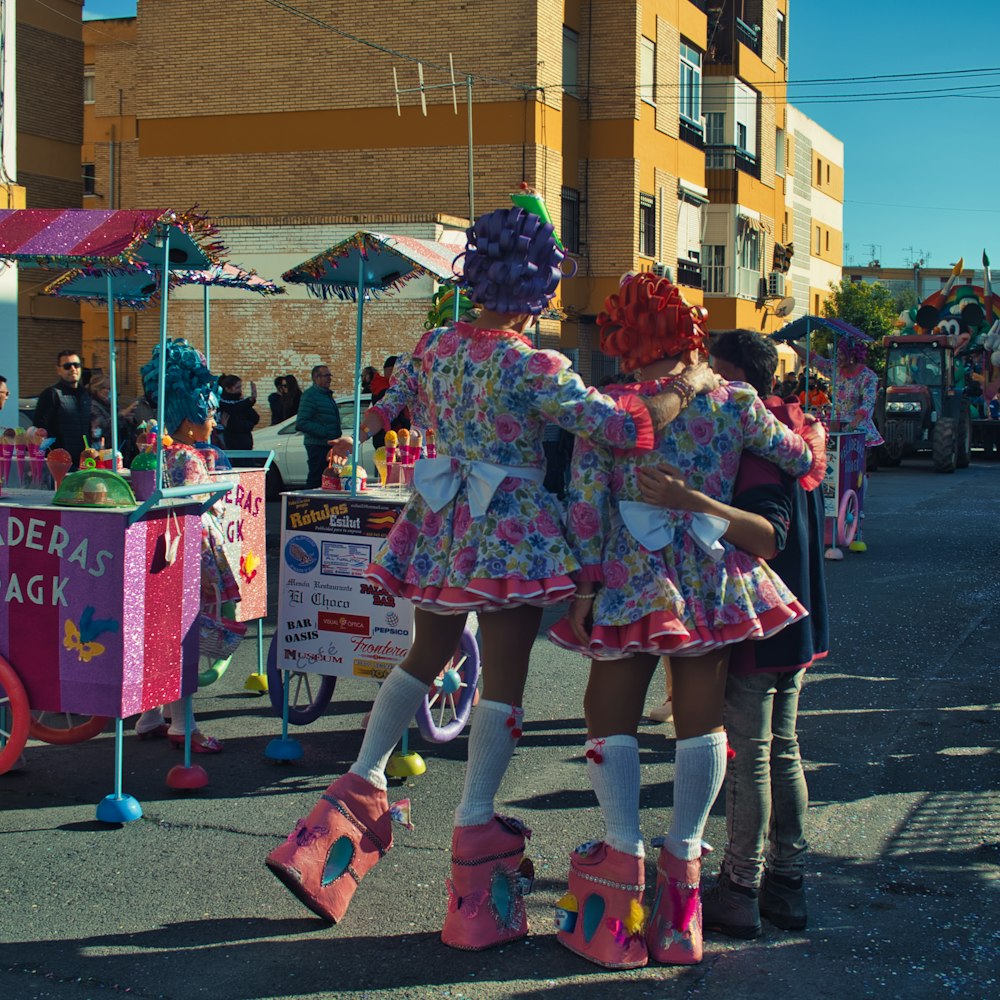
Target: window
{"points": [[750, 248], [745, 105], [828, 241], [647, 71], [819, 171], [779, 152], [89, 179], [570, 224], [571, 59], [688, 229], [88, 84], [647, 225], [819, 239], [715, 128], [782, 38], [714, 268], [816, 304], [828, 173], [690, 83]]}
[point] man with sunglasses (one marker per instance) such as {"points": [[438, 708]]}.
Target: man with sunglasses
{"points": [[64, 409]]}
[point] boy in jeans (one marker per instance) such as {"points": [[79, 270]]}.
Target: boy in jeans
{"points": [[766, 794]]}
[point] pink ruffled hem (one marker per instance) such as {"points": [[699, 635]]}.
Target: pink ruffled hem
{"points": [[663, 634], [815, 436], [479, 595]]}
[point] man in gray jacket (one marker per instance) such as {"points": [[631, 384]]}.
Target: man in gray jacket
{"points": [[319, 421]]}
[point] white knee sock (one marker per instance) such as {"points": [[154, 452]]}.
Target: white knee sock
{"points": [[699, 768], [496, 728], [397, 701], [613, 766]]}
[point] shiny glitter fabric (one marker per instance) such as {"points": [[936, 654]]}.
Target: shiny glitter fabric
{"points": [[92, 617]]}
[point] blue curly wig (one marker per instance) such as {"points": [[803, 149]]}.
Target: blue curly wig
{"points": [[512, 262], [191, 387]]}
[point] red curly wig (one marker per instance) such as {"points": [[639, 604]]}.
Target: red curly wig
{"points": [[648, 319]]}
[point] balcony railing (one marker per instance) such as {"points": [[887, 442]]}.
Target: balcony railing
{"points": [[747, 283], [749, 35], [688, 273], [731, 158], [692, 133], [715, 279]]}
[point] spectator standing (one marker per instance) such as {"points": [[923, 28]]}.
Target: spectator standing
{"points": [[64, 409], [292, 397], [237, 414], [402, 419], [319, 421], [276, 400], [4, 391]]}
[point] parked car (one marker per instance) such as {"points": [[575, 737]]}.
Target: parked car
{"points": [[290, 468]]}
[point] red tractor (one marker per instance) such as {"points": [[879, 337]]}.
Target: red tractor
{"points": [[921, 410]]}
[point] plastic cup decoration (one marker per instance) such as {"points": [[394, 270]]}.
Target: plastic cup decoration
{"points": [[431, 447], [59, 462], [381, 464], [416, 443], [143, 475]]}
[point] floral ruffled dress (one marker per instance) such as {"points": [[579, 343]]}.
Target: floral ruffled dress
{"points": [[677, 598], [854, 398], [498, 540]]}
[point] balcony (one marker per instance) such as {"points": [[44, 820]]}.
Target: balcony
{"points": [[692, 133], [731, 158], [749, 35], [747, 283], [688, 273]]}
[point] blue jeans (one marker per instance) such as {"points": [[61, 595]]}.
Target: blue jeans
{"points": [[766, 793], [316, 454]]}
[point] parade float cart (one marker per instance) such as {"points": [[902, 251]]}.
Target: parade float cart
{"points": [[332, 622], [92, 656], [244, 516], [366, 264]]}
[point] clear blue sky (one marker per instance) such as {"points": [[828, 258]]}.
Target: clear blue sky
{"points": [[920, 170]]}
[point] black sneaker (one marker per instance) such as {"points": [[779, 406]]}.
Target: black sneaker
{"points": [[731, 909], [783, 901]]}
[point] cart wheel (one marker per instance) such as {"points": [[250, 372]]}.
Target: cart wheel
{"points": [[308, 694], [14, 716], [443, 714], [63, 728], [847, 518]]}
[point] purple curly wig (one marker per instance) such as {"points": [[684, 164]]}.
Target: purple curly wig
{"points": [[512, 262], [852, 352]]}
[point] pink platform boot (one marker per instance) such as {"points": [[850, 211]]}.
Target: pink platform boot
{"points": [[330, 851], [674, 935], [601, 917], [489, 878]]}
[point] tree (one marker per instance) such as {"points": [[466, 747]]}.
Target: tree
{"points": [[869, 306]]}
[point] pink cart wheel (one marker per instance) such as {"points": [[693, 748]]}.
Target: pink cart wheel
{"points": [[848, 517], [453, 694], [14, 716], [63, 728]]}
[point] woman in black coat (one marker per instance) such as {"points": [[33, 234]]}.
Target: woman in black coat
{"points": [[237, 415]]}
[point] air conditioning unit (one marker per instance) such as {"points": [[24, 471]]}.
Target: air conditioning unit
{"points": [[660, 270], [775, 285]]}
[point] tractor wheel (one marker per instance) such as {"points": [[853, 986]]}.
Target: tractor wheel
{"points": [[964, 441], [945, 445]]}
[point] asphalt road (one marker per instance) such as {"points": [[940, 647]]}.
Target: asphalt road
{"points": [[900, 730]]}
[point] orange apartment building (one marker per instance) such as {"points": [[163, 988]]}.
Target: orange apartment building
{"points": [[652, 130]]}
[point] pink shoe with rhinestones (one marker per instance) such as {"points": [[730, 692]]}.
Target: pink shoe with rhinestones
{"points": [[329, 852], [601, 917], [490, 876], [674, 936]]}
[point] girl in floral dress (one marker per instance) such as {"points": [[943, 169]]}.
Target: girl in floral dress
{"points": [[189, 418], [480, 533], [657, 582]]}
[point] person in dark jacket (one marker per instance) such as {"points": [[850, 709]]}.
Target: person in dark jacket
{"points": [[766, 793], [64, 409], [237, 415], [318, 420], [402, 419]]}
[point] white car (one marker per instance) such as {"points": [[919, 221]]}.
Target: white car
{"points": [[290, 468]]}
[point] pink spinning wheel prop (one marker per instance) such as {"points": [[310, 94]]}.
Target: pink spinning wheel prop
{"points": [[445, 710], [14, 716], [848, 517], [64, 728]]}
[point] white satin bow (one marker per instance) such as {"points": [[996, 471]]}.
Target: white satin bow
{"points": [[654, 527], [438, 480]]}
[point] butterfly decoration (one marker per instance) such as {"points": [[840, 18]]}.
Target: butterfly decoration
{"points": [[81, 638], [248, 566], [469, 905], [306, 836], [400, 812]]}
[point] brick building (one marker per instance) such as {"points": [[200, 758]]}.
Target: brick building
{"points": [[656, 132], [49, 135]]}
